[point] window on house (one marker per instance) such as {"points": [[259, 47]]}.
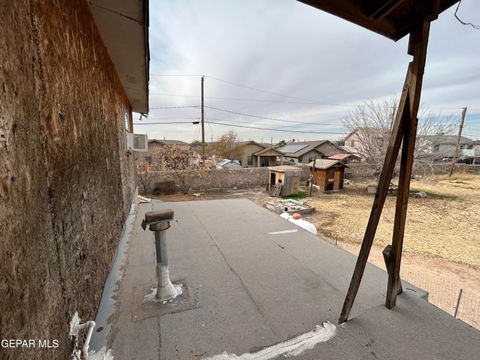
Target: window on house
{"points": [[249, 160]]}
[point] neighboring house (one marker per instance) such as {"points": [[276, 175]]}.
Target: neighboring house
{"points": [[267, 157], [476, 151], [246, 153], [305, 151], [227, 164], [363, 140], [443, 146], [344, 158]]}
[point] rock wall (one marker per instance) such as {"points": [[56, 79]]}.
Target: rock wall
{"points": [[215, 180], [65, 179], [363, 172]]}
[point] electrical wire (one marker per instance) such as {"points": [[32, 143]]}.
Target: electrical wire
{"points": [[174, 107], [272, 129], [263, 117], [167, 123], [301, 100]]}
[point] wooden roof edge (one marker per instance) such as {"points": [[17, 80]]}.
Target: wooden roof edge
{"points": [[392, 19]]}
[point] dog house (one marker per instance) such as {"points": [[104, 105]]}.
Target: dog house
{"points": [[283, 180], [328, 174]]}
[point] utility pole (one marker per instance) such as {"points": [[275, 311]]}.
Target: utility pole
{"points": [[455, 155], [203, 121]]}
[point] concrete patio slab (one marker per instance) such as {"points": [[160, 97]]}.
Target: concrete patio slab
{"points": [[246, 289]]}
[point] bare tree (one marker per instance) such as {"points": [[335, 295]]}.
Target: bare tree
{"points": [[179, 162], [226, 147], [370, 125]]}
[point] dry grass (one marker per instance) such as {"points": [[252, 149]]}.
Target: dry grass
{"points": [[445, 224]]}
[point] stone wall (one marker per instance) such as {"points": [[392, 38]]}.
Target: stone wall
{"points": [[65, 179], [217, 180], [214, 180], [362, 171]]}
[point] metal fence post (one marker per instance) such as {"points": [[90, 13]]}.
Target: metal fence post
{"points": [[458, 303]]}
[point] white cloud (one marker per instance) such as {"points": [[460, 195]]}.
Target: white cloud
{"points": [[286, 47]]}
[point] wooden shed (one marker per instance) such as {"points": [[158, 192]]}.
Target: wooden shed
{"points": [[328, 174], [283, 180]]}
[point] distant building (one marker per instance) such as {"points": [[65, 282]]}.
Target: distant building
{"points": [[227, 164], [253, 154], [443, 146], [361, 140], [304, 152]]}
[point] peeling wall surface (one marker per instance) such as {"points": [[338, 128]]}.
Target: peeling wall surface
{"points": [[66, 182]]}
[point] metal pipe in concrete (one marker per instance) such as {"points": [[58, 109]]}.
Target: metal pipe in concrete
{"points": [[165, 288]]}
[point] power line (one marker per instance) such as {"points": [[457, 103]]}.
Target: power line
{"points": [[272, 129], [183, 75], [174, 107], [181, 118], [263, 117], [236, 99], [304, 101], [273, 93], [167, 123]]}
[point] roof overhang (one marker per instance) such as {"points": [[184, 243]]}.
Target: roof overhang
{"points": [[390, 18], [123, 26]]}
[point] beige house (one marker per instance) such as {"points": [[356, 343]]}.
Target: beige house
{"points": [[253, 154], [267, 157]]}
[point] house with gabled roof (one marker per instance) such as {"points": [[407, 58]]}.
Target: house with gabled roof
{"points": [[306, 151], [253, 154]]}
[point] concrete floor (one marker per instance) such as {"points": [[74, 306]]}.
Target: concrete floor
{"points": [[246, 289]]}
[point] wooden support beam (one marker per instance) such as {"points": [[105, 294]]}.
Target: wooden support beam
{"points": [[404, 129], [420, 34], [379, 200], [389, 264]]}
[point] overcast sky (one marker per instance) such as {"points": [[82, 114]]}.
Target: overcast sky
{"points": [[321, 64]]}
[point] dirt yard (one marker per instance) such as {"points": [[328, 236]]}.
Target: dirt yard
{"points": [[442, 236]]}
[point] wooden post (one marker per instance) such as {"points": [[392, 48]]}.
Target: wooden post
{"points": [[418, 42], [312, 175], [459, 137], [404, 128]]}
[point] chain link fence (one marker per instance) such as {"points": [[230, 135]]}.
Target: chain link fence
{"points": [[464, 304], [459, 301]]}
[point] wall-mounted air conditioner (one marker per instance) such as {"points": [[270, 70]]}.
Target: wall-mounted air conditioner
{"points": [[137, 142]]}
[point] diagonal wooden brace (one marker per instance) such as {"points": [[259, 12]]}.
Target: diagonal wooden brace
{"points": [[404, 129]]}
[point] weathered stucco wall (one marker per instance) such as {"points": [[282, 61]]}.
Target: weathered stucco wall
{"points": [[65, 179]]}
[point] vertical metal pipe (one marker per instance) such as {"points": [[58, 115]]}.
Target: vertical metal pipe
{"points": [[165, 288], [458, 303]]}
